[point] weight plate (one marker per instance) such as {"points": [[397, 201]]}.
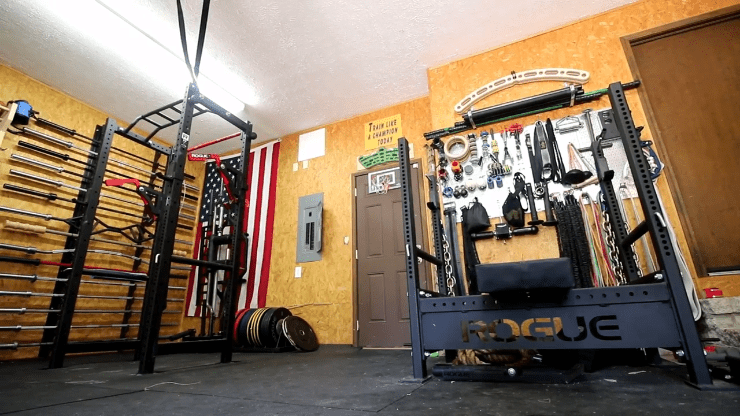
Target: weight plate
{"points": [[243, 325], [237, 319], [255, 326], [269, 332], [249, 337], [300, 334]]}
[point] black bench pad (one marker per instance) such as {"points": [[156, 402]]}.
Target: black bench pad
{"points": [[531, 275]]}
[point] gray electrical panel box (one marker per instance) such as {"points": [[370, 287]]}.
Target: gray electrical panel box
{"points": [[310, 214]]}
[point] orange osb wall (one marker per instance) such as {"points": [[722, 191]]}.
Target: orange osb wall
{"points": [[593, 45], [64, 110], [324, 294]]}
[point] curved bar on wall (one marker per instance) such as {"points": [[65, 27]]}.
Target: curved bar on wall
{"points": [[576, 76]]}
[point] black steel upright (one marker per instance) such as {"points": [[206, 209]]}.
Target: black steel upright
{"points": [[434, 206], [617, 223], [412, 266], [657, 227], [238, 244], [94, 182], [155, 297]]}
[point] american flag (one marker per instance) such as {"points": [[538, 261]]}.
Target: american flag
{"points": [[258, 221]]}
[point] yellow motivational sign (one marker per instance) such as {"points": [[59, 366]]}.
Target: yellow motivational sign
{"points": [[383, 132]]}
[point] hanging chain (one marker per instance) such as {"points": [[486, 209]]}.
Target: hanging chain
{"points": [[635, 256], [611, 245], [450, 279]]}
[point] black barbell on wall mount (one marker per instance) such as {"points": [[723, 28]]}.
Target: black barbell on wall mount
{"points": [[54, 197], [69, 221], [48, 181], [23, 311], [29, 293], [92, 326], [74, 133], [51, 139], [101, 272], [60, 170], [66, 158], [33, 278]]}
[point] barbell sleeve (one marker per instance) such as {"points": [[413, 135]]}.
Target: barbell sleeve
{"points": [[53, 197], [46, 217], [68, 158], [42, 179], [72, 132], [29, 294], [34, 278], [55, 140], [38, 163]]}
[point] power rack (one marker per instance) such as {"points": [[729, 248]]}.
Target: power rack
{"points": [[649, 312], [163, 205]]}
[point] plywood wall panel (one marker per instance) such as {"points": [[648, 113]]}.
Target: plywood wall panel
{"points": [[325, 290], [593, 45], [66, 111]]}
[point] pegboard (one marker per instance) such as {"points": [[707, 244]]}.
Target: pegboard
{"points": [[494, 198]]}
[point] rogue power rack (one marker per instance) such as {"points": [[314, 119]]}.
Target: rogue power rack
{"points": [[164, 207], [639, 314]]}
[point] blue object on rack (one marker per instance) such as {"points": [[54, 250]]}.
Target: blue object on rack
{"points": [[23, 113]]}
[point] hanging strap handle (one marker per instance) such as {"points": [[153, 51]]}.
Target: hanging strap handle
{"points": [[194, 69]]}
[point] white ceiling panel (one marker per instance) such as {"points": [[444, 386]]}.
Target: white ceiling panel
{"points": [[295, 64]]}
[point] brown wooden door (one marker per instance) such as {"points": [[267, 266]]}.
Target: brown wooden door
{"points": [[383, 312], [691, 87]]}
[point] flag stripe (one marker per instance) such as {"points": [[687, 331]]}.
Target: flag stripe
{"points": [[264, 201], [256, 230], [262, 299], [248, 225], [254, 178]]}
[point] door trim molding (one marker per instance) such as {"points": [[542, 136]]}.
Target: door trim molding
{"points": [[646, 36], [425, 243]]}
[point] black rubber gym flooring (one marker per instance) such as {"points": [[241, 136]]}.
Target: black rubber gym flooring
{"points": [[335, 380]]}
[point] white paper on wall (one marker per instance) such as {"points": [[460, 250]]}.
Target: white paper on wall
{"points": [[311, 145]]}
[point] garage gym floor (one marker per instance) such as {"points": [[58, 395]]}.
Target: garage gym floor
{"points": [[335, 380]]}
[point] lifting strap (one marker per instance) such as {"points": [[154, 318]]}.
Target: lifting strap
{"points": [[194, 69]]}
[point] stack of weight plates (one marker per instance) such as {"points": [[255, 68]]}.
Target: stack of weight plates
{"points": [[259, 328]]}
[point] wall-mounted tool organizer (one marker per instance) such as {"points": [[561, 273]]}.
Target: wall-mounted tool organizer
{"points": [[489, 176]]}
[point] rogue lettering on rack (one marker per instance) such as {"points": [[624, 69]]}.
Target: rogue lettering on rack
{"points": [[603, 328]]}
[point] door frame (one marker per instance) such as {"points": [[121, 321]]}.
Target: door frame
{"points": [[692, 23], [424, 238]]}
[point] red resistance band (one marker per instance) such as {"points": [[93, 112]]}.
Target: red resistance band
{"points": [[202, 145]]}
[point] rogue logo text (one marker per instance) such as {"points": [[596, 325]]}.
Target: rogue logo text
{"points": [[603, 328]]}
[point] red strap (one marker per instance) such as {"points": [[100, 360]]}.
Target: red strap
{"points": [[122, 181], [206, 144]]}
